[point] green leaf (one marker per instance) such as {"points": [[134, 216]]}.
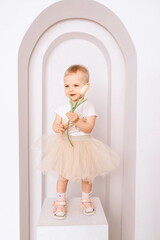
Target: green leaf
{"points": [[81, 102], [73, 107], [71, 103]]}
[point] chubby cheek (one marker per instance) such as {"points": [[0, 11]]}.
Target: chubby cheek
{"points": [[76, 96], [77, 92], [66, 92]]}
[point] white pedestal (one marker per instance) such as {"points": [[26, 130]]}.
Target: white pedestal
{"points": [[76, 225]]}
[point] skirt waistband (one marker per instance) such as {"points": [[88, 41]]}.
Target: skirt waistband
{"points": [[78, 138]]}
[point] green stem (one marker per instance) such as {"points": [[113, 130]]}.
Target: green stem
{"points": [[68, 134], [72, 110]]}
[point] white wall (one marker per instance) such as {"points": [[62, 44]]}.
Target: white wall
{"points": [[141, 18]]}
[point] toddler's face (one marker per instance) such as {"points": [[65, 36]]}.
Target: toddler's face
{"points": [[72, 84]]}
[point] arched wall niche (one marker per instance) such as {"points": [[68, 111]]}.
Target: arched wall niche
{"points": [[88, 37], [54, 14]]}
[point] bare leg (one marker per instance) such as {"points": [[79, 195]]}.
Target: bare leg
{"points": [[86, 187], [61, 184], [60, 209], [86, 201]]}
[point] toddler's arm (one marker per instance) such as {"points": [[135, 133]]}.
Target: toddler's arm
{"points": [[85, 126], [57, 125]]}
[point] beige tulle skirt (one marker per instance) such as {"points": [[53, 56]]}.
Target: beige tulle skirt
{"points": [[88, 158]]}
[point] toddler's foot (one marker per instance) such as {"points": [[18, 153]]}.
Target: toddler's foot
{"points": [[60, 208], [87, 206]]}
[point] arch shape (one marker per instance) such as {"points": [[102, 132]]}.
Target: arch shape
{"points": [[107, 19], [88, 37]]}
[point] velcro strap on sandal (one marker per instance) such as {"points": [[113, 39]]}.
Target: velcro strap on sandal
{"points": [[59, 209], [87, 201], [59, 203]]}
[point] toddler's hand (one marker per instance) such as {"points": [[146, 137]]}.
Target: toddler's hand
{"points": [[61, 128], [73, 117], [65, 125]]}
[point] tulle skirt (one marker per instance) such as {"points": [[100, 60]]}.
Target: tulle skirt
{"points": [[86, 159]]}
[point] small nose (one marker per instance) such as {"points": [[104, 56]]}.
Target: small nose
{"points": [[70, 88]]}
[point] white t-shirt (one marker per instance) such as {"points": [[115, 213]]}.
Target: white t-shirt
{"points": [[83, 110]]}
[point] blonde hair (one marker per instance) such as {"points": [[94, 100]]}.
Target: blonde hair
{"points": [[77, 68]]}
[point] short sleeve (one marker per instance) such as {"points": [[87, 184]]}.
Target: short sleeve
{"points": [[90, 110], [59, 111]]}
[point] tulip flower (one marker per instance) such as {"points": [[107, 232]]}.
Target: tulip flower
{"points": [[81, 92]]}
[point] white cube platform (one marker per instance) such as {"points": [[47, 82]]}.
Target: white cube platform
{"points": [[76, 225]]}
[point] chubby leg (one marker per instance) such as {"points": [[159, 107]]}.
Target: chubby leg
{"points": [[61, 185], [86, 187], [60, 205], [86, 202]]}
